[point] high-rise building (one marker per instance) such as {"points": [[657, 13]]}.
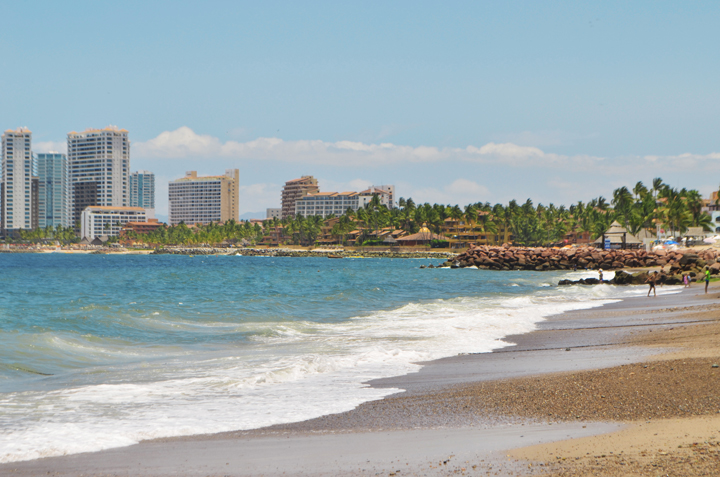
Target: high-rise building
{"points": [[142, 191], [197, 199], [18, 168], [54, 199], [294, 190], [99, 168]]}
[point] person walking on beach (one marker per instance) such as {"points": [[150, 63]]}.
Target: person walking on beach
{"points": [[686, 280], [600, 275], [707, 278], [651, 280]]}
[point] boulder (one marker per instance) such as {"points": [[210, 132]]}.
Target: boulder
{"points": [[622, 278], [688, 258]]}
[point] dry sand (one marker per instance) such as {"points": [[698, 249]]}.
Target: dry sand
{"points": [[671, 402], [640, 369]]}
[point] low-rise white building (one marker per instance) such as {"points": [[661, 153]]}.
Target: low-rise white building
{"points": [[273, 213], [337, 203], [97, 221]]}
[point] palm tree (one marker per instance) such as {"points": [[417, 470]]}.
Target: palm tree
{"points": [[456, 214], [657, 186], [639, 190]]}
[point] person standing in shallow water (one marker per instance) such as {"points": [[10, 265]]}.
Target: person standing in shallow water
{"points": [[651, 280], [600, 275]]}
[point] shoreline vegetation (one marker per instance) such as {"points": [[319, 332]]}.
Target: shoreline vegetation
{"points": [[522, 224]]}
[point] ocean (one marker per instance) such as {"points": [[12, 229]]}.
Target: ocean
{"points": [[102, 351]]}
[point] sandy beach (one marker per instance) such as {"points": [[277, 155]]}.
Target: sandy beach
{"points": [[624, 389]]}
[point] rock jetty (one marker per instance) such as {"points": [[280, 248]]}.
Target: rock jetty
{"points": [[541, 259], [279, 252]]}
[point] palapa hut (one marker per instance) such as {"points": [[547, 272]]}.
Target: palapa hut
{"points": [[619, 238], [423, 237], [696, 233]]}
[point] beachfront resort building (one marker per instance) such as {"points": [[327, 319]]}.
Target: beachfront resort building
{"points": [[197, 199], [54, 198], [390, 189], [96, 221], [19, 185], [337, 203], [294, 190], [99, 168], [462, 233], [141, 185]]}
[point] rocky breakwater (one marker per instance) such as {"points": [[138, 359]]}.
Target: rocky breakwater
{"points": [[345, 253], [689, 263], [541, 259], [193, 251], [280, 252]]}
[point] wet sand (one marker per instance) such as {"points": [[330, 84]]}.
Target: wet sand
{"points": [[570, 379]]}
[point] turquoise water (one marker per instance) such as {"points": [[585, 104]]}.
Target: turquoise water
{"points": [[100, 351]]}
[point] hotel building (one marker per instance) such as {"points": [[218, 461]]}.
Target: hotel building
{"points": [[54, 199], [19, 210], [337, 203], [197, 199], [294, 190], [142, 191], [96, 221], [99, 168], [273, 213], [390, 189]]}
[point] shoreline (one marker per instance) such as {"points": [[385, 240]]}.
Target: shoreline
{"points": [[433, 408]]}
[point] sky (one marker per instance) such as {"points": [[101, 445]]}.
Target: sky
{"points": [[453, 102]]}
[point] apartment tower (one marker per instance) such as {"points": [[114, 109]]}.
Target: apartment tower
{"points": [[54, 198], [18, 169], [99, 168], [142, 191], [294, 190], [197, 199]]}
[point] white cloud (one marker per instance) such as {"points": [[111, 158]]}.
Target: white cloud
{"points": [[544, 138], [50, 146], [326, 185], [182, 142], [186, 143], [460, 191]]}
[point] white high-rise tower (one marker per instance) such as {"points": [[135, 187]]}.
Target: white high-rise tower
{"points": [[99, 168], [18, 206]]}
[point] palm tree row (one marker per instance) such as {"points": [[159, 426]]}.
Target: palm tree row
{"points": [[58, 233], [642, 208], [211, 233]]}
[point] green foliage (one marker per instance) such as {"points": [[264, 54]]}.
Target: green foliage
{"points": [[371, 242], [530, 224], [64, 235], [435, 243]]}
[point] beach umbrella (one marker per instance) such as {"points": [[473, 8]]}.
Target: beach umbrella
{"points": [[710, 240]]}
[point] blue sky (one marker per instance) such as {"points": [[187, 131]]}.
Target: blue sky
{"points": [[453, 102]]}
